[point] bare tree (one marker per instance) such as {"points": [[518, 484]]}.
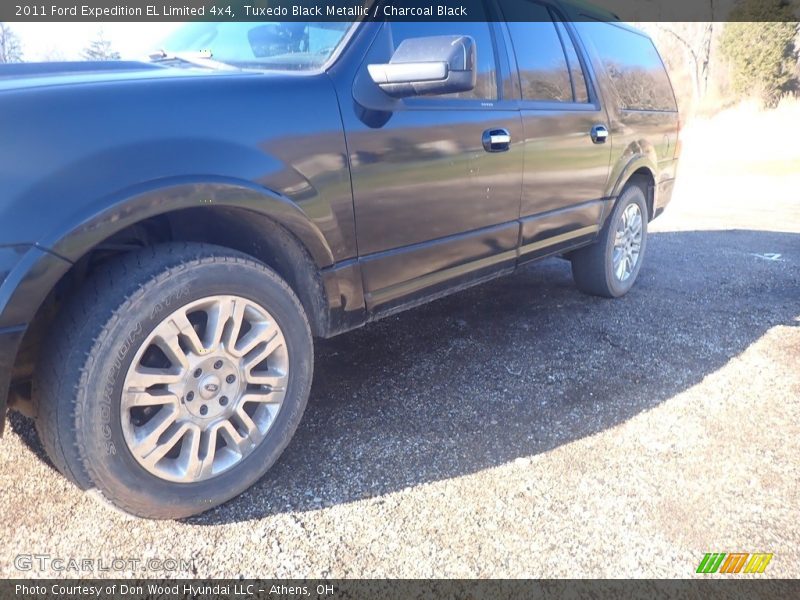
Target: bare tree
{"points": [[10, 48], [52, 54], [695, 38], [100, 49]]}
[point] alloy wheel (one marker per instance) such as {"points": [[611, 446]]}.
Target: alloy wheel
{"points": [[627, 242], [204, 388]]}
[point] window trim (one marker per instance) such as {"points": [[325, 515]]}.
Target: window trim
{"points": [[567, 61], [593, 104], [570, 67], [592, 87]]}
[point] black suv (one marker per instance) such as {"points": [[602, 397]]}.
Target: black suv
{"points": [[175, 233]]}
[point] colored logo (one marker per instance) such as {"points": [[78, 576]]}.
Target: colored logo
{"points": [[741, 562]]}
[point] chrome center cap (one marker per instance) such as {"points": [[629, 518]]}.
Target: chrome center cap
{"points": [[209, 387]]}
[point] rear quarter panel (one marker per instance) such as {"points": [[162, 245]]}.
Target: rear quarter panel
{"points": [[639, 138]]}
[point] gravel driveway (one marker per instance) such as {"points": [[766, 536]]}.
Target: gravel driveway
{"points": [[518, 429]]}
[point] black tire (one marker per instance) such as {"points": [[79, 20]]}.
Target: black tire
{"points": [[79, 379], [593, 266]]}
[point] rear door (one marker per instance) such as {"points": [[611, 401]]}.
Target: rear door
{"points": [[566, 168], [433, 207], [641, 102]]}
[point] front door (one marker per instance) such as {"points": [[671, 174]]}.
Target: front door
{"points": [[432, 205]]}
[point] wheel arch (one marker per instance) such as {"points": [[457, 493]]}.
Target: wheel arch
{"points": [[146, 201], [258, 224], [638, 170]]}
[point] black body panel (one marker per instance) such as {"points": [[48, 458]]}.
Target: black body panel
{"points": [[395, 201]]}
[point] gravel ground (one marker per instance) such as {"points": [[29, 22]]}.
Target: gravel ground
{"points": [[518, 429]]}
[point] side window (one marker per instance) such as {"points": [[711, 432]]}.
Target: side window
{"points": [[632, 62], [486, 86], [549, 68], [575, 69]]}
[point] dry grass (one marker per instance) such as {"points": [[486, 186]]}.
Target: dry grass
{"points": [[741, 169], [746, 139]]}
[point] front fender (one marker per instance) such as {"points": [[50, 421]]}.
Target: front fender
{"points": [[89, 227], [273, 137]]}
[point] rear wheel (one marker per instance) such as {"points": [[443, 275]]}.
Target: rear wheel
{"points": [[175, 379], [610, 266]]}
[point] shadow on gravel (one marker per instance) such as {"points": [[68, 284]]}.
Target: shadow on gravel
{"points": [[519, 366]]}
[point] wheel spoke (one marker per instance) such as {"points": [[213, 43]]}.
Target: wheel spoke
{"points": [[271, 378], [253, 432], [236, 321], [148, 434], [208, 448], [134, 399], [260, 334], [189, 458], [169, 344], [218, 316], [636, 226], [621, 268], [618, 253], [236, 441], [141, 378], [180, 322], [258, 356], [272, 400], [175, 435]]}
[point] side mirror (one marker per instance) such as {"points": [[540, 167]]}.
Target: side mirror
{"points": [[442, 64]]}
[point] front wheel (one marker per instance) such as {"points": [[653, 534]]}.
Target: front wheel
{"points": [[175, 378], [609, 267]]}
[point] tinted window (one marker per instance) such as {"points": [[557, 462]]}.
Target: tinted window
{"points": [[486, 86], [633, 65], [575, 69], [543, 69]]}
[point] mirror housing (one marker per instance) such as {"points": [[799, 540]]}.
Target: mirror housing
{"points": [[443, 64]]}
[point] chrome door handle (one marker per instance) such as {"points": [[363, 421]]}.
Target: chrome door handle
{"points": [[599, 134], [496, 140]]}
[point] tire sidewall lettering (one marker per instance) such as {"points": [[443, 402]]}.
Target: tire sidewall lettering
{"points": [[114, 377]]}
